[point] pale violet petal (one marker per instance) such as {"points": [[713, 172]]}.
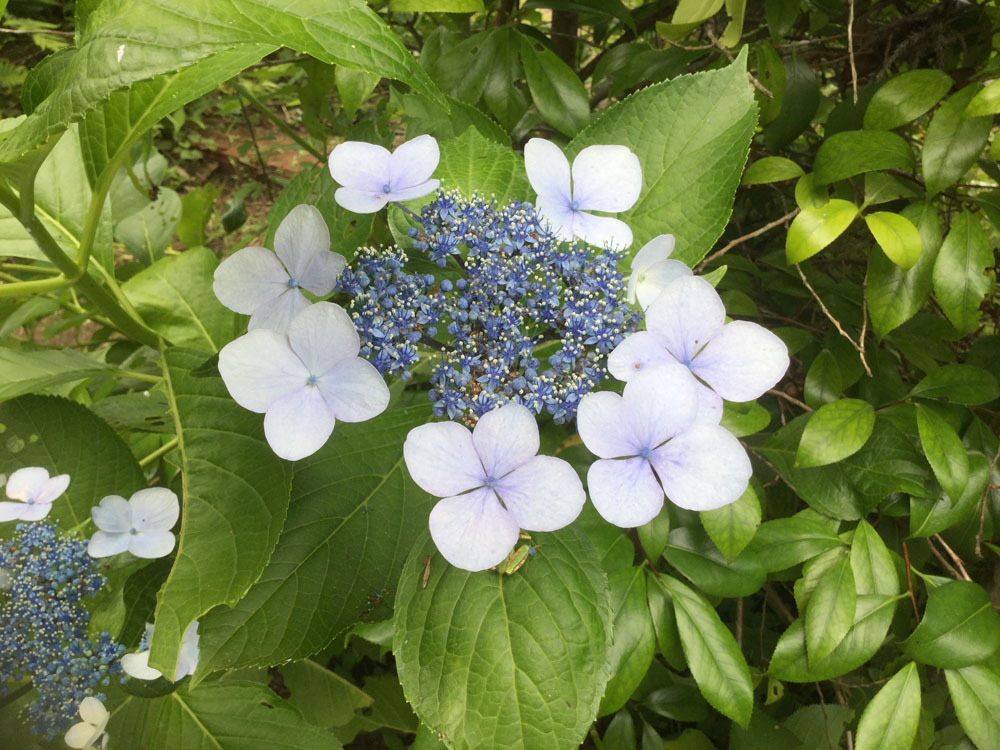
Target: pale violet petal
{"points": [[354, 390], [259, 368], [685, 316], [81, 735], [26, 483], [742, 361], [361, 166], [106, 544], [300, 237], [601, 231], [624, 491], [656, 250], [548, 172], [187, 661], [53, 488], [557, 216], [12, 511], [607, 178], [654, 280], [636, 352], [703, 468], [709, 405], [249, 278], [413, 163], [417, 191], [323, 336], [442, 460], [323, 272], [151, 544], [278, 314], [298, 424], [35, 511], [92, 711], [543, 494], [473, 531], [601, 420], [154, 508], [660, 402], [113, 514], [137, 665], [360, 201], [505, 438]]}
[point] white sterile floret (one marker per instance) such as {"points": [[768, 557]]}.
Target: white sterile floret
{"points": [[652, 270], [95, 718], [304, 381], [649, 442], [686, 323], [372, 177], [603, 178], [493, 485], [137, 665], [34, 492], [140, 524], [266, 286]]}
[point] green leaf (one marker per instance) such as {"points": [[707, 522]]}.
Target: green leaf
{"points": [[798, 105], [355, 86], [354, 510], [890, 720], [929, 517], [874, 571], [653, 535], [227, 715], [771, 73], [235, 498], [961, 384], [556, 90], [816, 227], [897, 237], [732, 526], [470, 164], [960, 280], [668, 639], [853, 152], [885, 188], [325, 698], [823, 381], [771, 169], [944, 450], [148, 233], [64, 437], [959, 627], [505, 100], [634, 643], [34, 371], [746, 418], [905, 97], [174, 297], [785, 542], [835, 431], [986, 102], [713, 656], [425, 116], [830, 613], [495, 661], [975, 691], [693, 554], [691, 135], [436, 6], [953, 141], [688, 15]]}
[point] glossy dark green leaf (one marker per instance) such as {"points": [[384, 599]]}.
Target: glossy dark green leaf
{"points": [[816, 227], [798, 105], [785, 542], [823, 383], [746, 418], [506, 101], [959, 627], [929, 516], [874, 570], [692, 552], [856, 151], [556, 90], [325, 698], [986, 102], [668, 638], [962, 384], [975, 691], [905, 97], [897, 237], [771, 169], [732, 526], [890, 720], [953, 141], [436, 6], [771, 73], [960, 280], [944, 450], [830, 613], [653, 535], [634, 642], [881, 187], [834, 432]]}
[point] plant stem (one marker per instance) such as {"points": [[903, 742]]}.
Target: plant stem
{"points": [[282, 125], [161, 451]]}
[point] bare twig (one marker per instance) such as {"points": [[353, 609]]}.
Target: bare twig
{"points": [[773, 468], [850, 48], [790, 399], [864, 315], [54, 32], [858, 347], [779, 606], [909, 581], [739, 622], [944, 563], [740, 240], [982, 505], [954, 557], [729, 55]]}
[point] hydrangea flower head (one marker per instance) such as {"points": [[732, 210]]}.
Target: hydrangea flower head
{"points": [[95, 718], [267, 286], [492, 483], [602, 178], [652, 269], [304, 381], [34, 490], [649, 443], [372, 177], [137, 665], [140, 524], [686, 323]]}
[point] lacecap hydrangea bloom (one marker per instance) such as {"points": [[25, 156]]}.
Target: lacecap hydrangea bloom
{"points": [[372, 177], [140, 524], [86, 733], [33, 491]]}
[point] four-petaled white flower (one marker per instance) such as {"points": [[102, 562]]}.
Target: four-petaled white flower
{"points": [[686, 323], [140, 524], [137, 665], [649, 443], [304, 381], [652, 270], [604, 178], [95, 718], [493, 485], [35, 491], [371, 176], [266, 286]]}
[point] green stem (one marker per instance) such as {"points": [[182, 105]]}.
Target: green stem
{"points": [[92, 220], [282, 125], [6, 700], [161, 451], [23, 288], [29, 268], [132, 374]]}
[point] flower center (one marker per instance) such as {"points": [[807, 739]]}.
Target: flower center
{"points": [[574, 206], [387, 188], [30, 501], [312, 380], [646, 452], [491, 482], [293, 283], [132, 531]]}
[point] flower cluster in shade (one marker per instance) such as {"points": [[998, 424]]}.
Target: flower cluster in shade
{"points": [[516, 314], [44, 622]]}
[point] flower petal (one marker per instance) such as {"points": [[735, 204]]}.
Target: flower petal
{"points": [[709, 405], [354, 390], [661, 401], [624, 491], [323, 272], [277, 314], [505, 438], [151, 544], [601, 231], [113, 514], [361, 166], [298, 424], [442, 460], [685, 316], [636, 352], [300, 237], [26, 482], [92, 711], [81, 735], [187, 661], [556, 214], [360, 201], [606, 178], [543, 494], [417, 191], [13, 511], [35, 511], [154, 508], [106, 544], [548, 172], [323, 336], [412, 163], [655, 251], [742, 361], [602, 421], [654, 280], [137, 665], [248, 279], [53, 488], [703, 468], [473, 531], [259, 368]]}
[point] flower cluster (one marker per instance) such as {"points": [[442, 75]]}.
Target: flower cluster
{"points": [[43, 624]]}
